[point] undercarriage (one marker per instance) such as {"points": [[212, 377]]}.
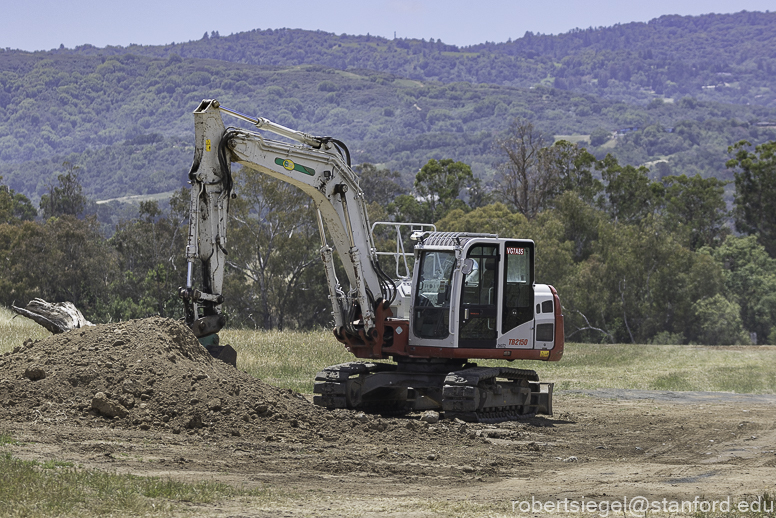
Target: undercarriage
{"points": [[457, 388]]}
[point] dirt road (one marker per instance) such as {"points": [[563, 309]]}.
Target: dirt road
{"points": [[592, 449]]}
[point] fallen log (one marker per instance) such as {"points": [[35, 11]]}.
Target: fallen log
{"points": [[57, 317]]}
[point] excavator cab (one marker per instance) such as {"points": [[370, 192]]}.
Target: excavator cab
{"points": [[471, 296], [476, 293]]}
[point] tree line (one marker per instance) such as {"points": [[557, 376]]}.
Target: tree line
{"points": [[634, 259]]}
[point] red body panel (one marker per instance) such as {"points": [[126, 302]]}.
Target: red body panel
{"points": [[377, 349]]}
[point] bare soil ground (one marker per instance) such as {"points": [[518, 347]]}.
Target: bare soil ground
{"points": [[142, 397]]}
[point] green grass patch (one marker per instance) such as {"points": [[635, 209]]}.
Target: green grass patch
{"points": [[609, 144], [6, 439], [54, 488], [660, 367], [411, 83], [289, 359], [14, 331], [672, 381]]}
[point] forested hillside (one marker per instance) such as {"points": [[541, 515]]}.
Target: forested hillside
{"points": [[125, 120], [724, 57]]}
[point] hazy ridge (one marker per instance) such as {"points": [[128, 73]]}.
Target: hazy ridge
{"points": [[683, 88]]}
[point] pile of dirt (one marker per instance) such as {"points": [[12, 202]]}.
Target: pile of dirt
{"points": [[150, 374]]}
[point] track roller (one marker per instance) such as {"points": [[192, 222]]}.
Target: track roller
{"points": [[477, 395]]}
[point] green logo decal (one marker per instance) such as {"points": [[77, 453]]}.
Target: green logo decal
{"points": [[290, 165]]}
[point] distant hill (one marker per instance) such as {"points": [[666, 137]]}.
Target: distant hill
{"points": [[720, 57], [123, 115]]}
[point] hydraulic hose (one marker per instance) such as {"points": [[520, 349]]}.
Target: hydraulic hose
{"points": [[224, 162]]}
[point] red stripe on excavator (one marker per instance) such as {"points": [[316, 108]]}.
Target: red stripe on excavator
{"points": [[376, 349], [400, 347]]}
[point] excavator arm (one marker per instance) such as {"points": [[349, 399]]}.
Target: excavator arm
{"points": [[319, 166]]}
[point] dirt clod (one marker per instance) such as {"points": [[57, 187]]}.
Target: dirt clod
{"points": [[106, 407], [430, 417], [35, 372]]}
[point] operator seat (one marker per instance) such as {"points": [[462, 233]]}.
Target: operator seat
{"points": [[488, 281]]}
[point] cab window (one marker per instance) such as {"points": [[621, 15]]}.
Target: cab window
{"points": [[432, 296], [518, 285]]}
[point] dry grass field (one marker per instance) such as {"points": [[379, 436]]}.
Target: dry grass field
{"points": [[291, 359]]}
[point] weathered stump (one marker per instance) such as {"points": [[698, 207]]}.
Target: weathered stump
{"points": [[57, 317]]}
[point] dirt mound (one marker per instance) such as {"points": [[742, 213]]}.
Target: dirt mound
{"points": [[148, 374]]}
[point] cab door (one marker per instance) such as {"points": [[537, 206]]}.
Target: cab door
{"points": [[517, 322], [478, 315]]}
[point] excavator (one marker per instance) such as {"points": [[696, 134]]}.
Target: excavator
{"points": [[468, 296]]}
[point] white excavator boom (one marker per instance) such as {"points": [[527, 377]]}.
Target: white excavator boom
{"points": [[320, 167]]}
